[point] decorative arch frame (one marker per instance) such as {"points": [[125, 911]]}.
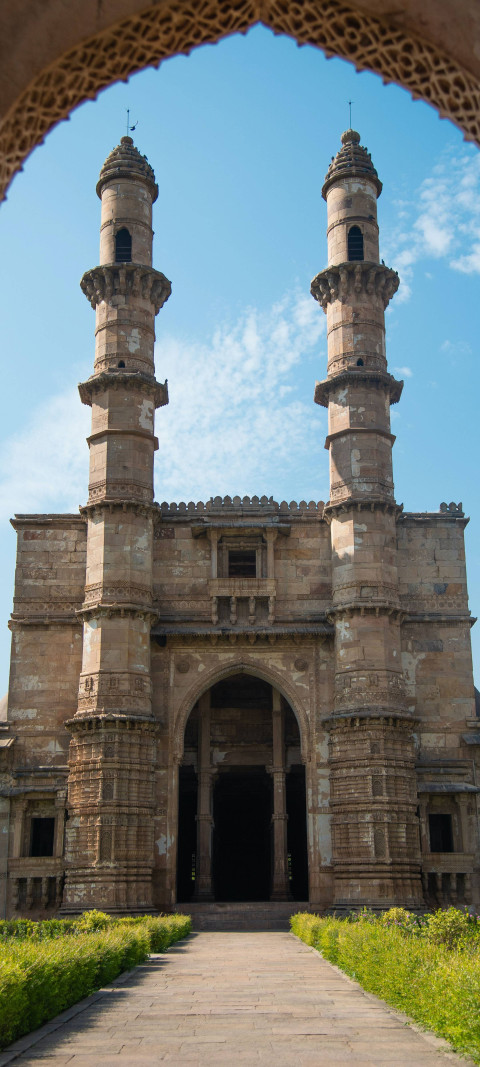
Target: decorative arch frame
{"points": [[241, 666], [385, 44]]}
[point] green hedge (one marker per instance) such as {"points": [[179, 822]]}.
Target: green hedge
{"points": [[40, 976], [414, 969]]}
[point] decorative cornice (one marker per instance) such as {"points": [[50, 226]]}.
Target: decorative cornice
{"points": [[131, 380], [111, 504], [120, 720], [354, 376], [388, 507], [342, 280], [359, 607], [123, 431], [109, 610], [106, 281]]}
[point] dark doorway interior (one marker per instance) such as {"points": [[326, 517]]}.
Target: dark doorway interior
{"points": [[242, 811], [187, 833], [297, 832]]}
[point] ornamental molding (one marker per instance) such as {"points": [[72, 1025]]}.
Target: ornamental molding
{"points": [[346, 279], [106, 282], [131, 592], [111, 720], [111, 504], [344, 507], [123, 379], [358, 375], [108, 611]]}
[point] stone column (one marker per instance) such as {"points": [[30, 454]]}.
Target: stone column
{"points": [[280, 886], [203, 879], [374, 824], [113, 729]]}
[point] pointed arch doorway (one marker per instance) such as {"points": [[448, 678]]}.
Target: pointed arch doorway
{"points": [[242, 806]]}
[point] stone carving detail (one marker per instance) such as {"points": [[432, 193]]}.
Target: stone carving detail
{"points": [[452, 508], [128, 279], [177, 26], [379, 843], [340, 282], [128, 592]]}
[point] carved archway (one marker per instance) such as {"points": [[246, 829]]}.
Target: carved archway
{"points": [[241, 666], [386, 45]]}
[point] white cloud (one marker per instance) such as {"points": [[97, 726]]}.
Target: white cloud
{"points": [[236, 422], [442, 221], [406, 371], [45, 468]]}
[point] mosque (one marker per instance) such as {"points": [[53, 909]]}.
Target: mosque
{"points": [[239, 700]]}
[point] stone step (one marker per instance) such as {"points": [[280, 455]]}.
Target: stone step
{"points": [[245, 915]]}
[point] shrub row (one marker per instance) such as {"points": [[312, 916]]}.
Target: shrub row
{"points": [[422, 975], [40, 977]]}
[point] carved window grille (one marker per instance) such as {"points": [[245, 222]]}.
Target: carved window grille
{"points": [[441, 832], [355, 243], [123, 246], [42, 837]]}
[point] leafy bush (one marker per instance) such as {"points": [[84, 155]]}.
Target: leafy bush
{"points": [[41, 976], [437, 985]]}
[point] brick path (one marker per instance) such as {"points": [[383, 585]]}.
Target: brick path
{"points": [[231, 998]]}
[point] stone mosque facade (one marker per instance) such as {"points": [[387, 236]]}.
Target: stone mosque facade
{"points": [[241, 699]]}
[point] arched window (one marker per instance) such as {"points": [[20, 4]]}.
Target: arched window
{"points": [[355, 243], [123, 246]]}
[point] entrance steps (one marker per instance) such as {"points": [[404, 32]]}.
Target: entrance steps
{"points": [[242, 915]]}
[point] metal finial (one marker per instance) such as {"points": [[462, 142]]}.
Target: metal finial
{"points": [[350, 102], [130, 129]]}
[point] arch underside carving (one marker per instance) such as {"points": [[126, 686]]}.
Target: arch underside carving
{"points": [[218, 674], [175, 27]]}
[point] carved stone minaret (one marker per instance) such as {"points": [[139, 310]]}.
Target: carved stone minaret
{"points": [[373, 789], [112, 752]]}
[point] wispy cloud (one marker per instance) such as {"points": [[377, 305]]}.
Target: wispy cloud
{"points": [[236, 421], [407, 372], [442, 221]]}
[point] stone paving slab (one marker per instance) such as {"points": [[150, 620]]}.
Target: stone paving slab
{"points": [[222, 998]]}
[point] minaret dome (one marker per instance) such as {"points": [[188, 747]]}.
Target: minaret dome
{"points": [[127, 189], [351, 189]]}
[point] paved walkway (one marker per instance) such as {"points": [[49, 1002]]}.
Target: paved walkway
{"points": [[232, 998]]}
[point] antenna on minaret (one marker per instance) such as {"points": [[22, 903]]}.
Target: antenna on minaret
{"points": [[130, 129], [350, 102]]}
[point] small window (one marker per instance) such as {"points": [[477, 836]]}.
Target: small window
{"points": [[242, 564], [441, 834], [41, 842], [355, 243], [123, 247]]}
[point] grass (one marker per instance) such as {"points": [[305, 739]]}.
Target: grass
{"points": [[46, 967], [428, 968]]}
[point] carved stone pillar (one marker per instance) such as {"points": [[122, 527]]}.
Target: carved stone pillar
{"points": [[280, 886], [203, 880]]}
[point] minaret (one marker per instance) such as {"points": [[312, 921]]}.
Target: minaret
{"points": [[373, 787], [112, 752]]}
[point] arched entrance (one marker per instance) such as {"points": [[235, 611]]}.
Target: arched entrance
{"points": [[242, 807]]}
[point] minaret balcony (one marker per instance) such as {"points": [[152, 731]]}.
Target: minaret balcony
{"points": [[347, 280], [127, 280]]}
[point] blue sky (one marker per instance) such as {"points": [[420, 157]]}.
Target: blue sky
{"points": [[240, 136]]}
